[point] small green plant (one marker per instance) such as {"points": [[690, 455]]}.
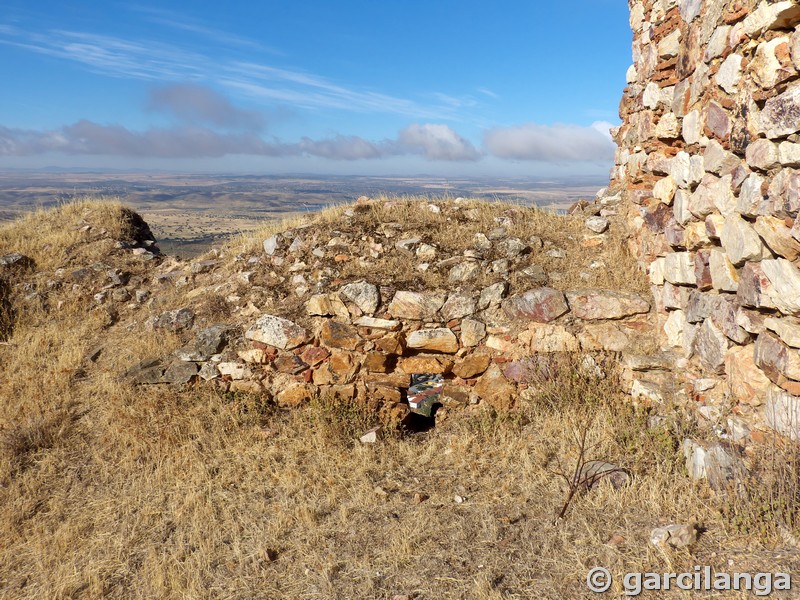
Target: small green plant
{"points": [[489, 422], [249, 407], [344, 418], [215, 307], [648, 445], [766, 499]]}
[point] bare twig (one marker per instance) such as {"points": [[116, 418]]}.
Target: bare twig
{"points": [[586, 473], [575, 482]]}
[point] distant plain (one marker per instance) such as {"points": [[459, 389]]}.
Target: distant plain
{"points": [[190, 212]]}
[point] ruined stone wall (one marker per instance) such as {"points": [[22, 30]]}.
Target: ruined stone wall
{"points": [[706, 164], [483, 331]]}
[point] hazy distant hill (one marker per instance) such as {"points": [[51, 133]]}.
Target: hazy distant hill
{"points": [[190, 211]]}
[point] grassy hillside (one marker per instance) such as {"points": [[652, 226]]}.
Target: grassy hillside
{"points": [[109, 490]]}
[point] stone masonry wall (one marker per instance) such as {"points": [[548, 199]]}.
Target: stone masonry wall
{"points": [[706, 166], [491, 330]]}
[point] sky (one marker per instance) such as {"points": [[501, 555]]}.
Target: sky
{"points": [[379, 87]]}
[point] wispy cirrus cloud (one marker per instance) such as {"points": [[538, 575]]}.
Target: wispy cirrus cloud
{"points": [[110, 55], [456, 101], [313, 91], [158, 61], [182, 22], [488, 92]]}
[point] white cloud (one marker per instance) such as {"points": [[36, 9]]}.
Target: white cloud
{"points": [[604, 127], [551, 143], [198, 103], [88, 138], [436, 142], [341, 147]]}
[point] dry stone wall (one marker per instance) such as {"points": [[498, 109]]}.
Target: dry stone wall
{"points": [[385, 304], [707, 168], [494, 328]]}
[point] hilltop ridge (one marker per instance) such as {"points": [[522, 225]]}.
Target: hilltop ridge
{"points": [[195, 424], [365, 295]]}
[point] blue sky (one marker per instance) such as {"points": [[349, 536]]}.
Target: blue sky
{"points": [[353, 87]]}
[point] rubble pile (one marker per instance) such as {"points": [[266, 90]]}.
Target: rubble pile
{"points": [[300, 330]]}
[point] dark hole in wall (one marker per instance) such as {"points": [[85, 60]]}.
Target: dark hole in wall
{"points": [[424, 398], [417, 423]]}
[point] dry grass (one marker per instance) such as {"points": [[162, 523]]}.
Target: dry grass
{"points": [[109, 491], [452, 232], [161, 494], [769, 494], [60, 236]]}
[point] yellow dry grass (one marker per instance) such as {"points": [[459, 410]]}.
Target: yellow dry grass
{"points": [[111, 491], [606, 266], [53, 236], [145, 493]]}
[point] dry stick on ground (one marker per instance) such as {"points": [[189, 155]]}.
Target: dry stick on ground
{"points": [[581, 477]]}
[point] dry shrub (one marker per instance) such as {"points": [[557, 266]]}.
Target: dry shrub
{"points": [[341, 420], [7, 312], [584, 393], [215, 307], [37, 431]]}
